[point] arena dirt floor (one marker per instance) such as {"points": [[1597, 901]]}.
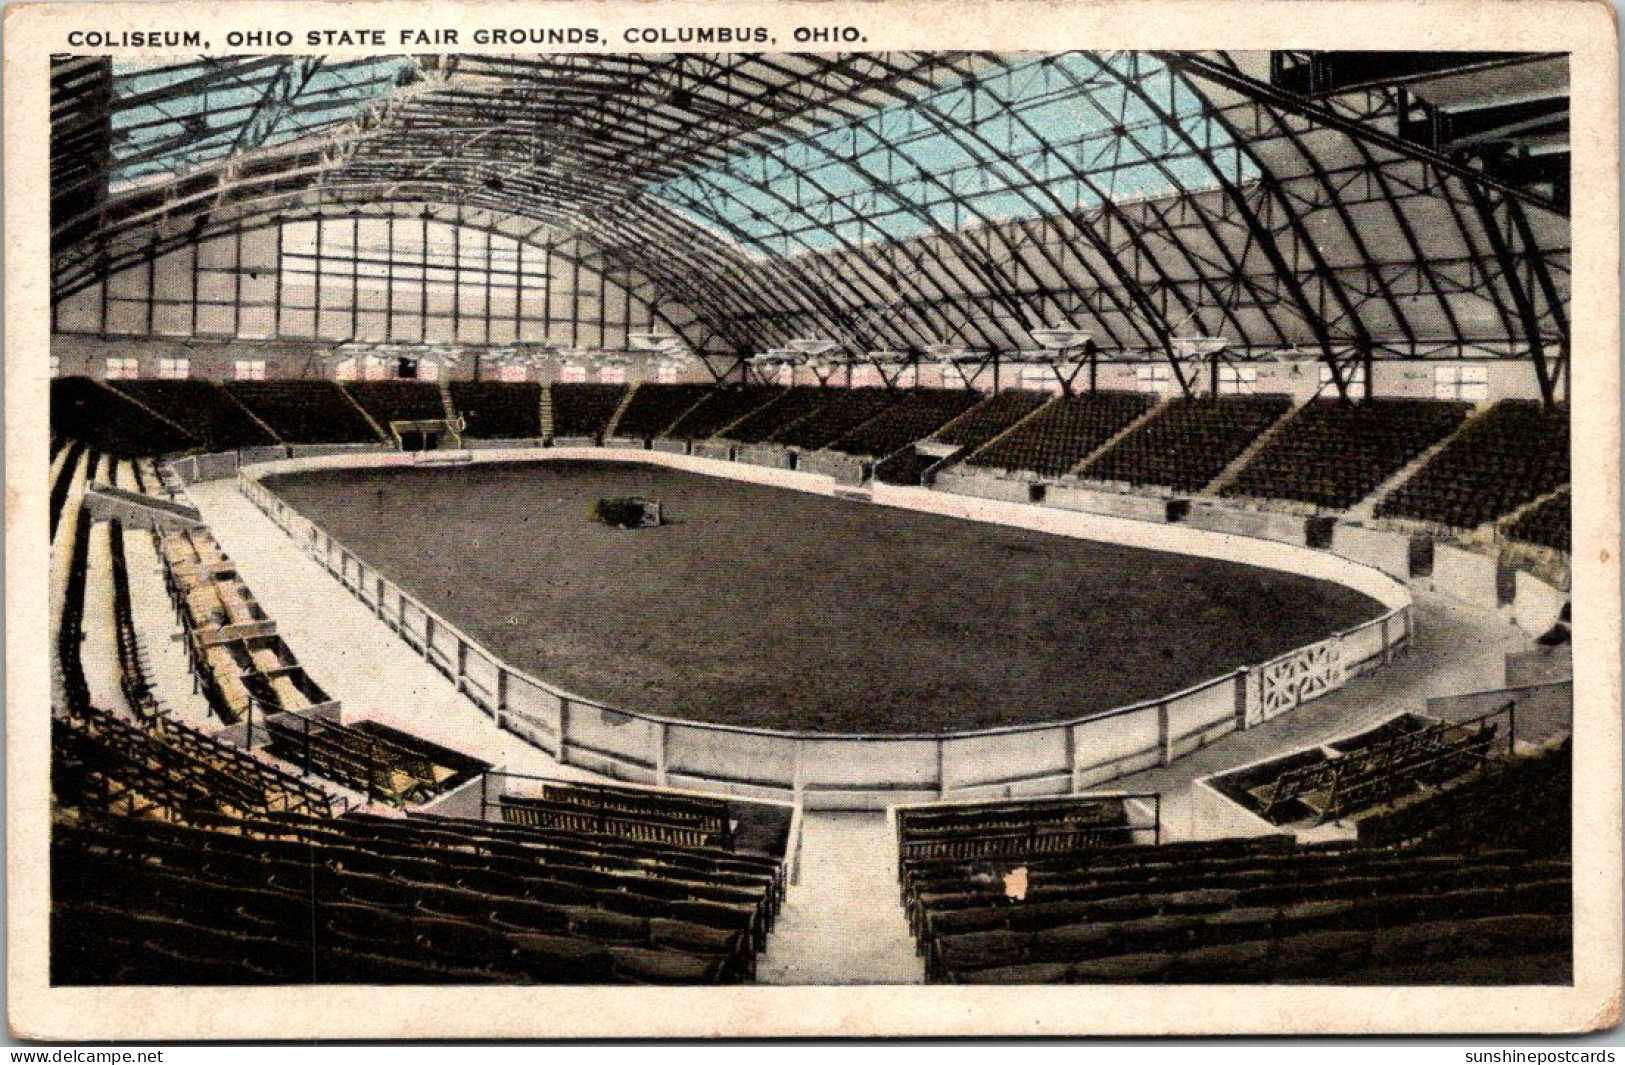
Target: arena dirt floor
{"points": [[772, 608]]}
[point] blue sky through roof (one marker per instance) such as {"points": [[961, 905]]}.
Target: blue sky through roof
{"points": [[1049, 133], [203, 122]]}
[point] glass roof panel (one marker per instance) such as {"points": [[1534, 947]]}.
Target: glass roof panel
{"points": [[169, 117], [1039, 135]]}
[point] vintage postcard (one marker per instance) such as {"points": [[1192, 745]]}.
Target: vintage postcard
{"points": [[831, 519]]}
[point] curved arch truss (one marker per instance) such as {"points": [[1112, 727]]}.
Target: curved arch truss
{"points": [[1402, 205]]}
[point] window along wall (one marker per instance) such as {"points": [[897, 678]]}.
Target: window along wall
{"points": [[407, 279]]}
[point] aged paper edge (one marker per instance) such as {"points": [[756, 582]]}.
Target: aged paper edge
{"points": [[1585, 29]]}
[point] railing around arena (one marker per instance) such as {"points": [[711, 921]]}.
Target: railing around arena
{"points": [[847, 770]]}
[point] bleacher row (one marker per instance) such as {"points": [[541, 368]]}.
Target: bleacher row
{"points": [[1469, 885], [181, 858], [1512, 454], [1325, 454], [369, 899], [381, 763], [108, 765]]}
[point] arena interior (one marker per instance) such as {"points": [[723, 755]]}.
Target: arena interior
{"points": [[811, 519]]}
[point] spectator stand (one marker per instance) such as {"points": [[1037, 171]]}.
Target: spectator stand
{"points": [[1321, 792], [382, 764], [746, 828]]}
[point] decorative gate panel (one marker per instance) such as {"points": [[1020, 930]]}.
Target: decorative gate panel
{"points": [[1301, 676]]}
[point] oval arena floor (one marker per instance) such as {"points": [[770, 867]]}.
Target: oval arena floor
{"points": [[752, 606], [840, 923]]}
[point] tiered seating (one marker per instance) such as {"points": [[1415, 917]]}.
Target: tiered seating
{"points": [[499, 410], [106, 765], [1515, 452], [584, 410], [1546, 523], [237, 659], [1064, 433], [722, 407], [384, 764], [398, 401], [767, 422], [66, 475], [363, 899], [655, 406], [839, 414], [917, 415], [132, 671], [70, 631], [927, 835], [1248, 911], [1188, 442], [84, 410], [206, 410], [1390, 762], [992, 418], [1512, 802], [1334, 454], [305, 412], [631, 813]]}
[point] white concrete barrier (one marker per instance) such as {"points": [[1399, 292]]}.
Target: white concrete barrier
{"points": [[1387, 551], [871, 771], [1466, 577]]}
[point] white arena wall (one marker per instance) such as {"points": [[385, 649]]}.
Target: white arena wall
{"points": [[860, 771]]}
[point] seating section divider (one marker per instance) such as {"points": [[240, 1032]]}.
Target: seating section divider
{"points": [[1061, 435], [1188, 442], [1512, 454], [1333, 454], [305, 411], [1466, 908]]}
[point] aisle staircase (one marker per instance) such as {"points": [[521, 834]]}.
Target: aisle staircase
{"points": [[1239, 463], [841, 922], [384, 435], [1366, 508], [615, 419], [544, 414], [1111, 441]]}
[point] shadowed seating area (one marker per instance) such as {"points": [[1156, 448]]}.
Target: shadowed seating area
{"points": [[722, 406], [1512, 454], [654, 407], [583, 410], [842, 410], [499, 410], [1063, 434], [105, 420], [305, 412], [915, 416], [206, 410], [1187, 442], [998, 413], [1334, 454], [767, 421], [389, 401], [1547, 523]]}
